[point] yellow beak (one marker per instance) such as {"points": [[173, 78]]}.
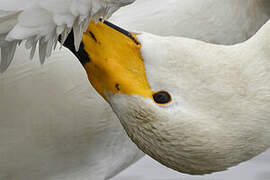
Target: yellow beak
{"points": [[116, 65]]}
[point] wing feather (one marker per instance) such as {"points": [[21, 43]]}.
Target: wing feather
{"points": [[42, 21]]}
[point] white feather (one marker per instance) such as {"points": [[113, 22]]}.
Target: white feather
{"points": [[42, 21]]}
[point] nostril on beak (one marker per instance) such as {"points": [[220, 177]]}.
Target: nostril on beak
{"points": [[93, 36]]}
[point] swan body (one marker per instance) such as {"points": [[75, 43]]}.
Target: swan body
{"points": [[51, 129], [54, 125], [221, 22], [199, 108]]}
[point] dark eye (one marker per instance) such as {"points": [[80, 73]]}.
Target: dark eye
{"points": [[162, 97]]}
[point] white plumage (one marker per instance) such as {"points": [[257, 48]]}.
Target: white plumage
{"points": [[42, 21], [51, 119], [54, 126], [221, 22]]}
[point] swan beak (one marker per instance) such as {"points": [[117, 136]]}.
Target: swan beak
{"points": [[116, 64]]}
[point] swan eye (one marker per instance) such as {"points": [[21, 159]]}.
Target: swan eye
{"points": [[162, 97]]}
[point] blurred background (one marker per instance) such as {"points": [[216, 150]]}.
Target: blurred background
{"points": [[148, 169]]}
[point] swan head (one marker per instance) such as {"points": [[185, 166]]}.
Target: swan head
{"points": [[195, 107]]}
